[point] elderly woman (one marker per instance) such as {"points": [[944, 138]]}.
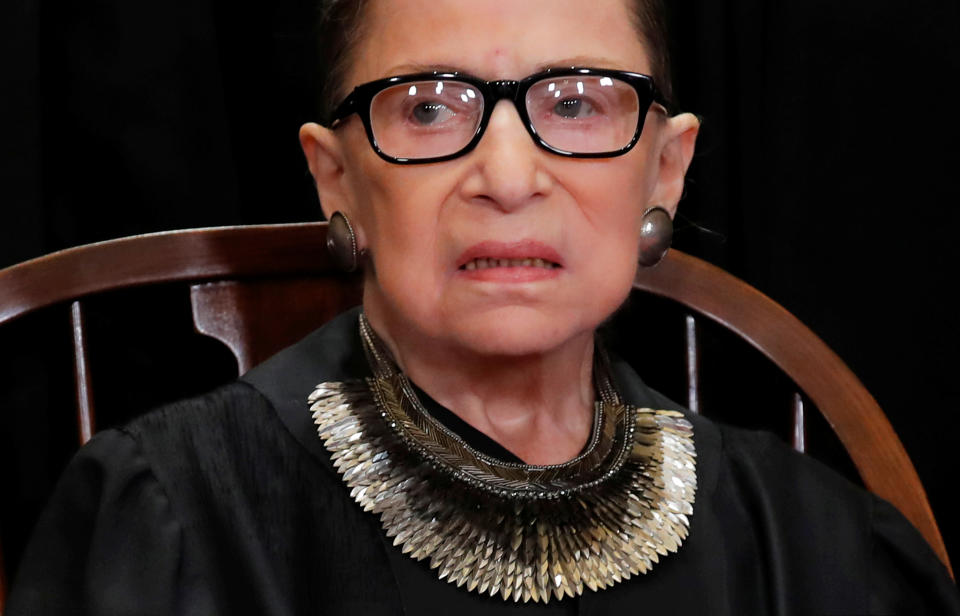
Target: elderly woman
{"points": [[463, 444]]}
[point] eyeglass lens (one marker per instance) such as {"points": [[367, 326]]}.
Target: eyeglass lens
{"points": [[583, 114]]}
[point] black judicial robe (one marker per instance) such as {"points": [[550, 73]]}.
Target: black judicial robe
{"points": [[229, 504]]}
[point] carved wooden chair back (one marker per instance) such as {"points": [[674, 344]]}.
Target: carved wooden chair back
{"points": [[238, 276]]}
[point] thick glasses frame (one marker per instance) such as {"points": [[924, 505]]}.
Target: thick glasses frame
{"points": [[360, 99]]}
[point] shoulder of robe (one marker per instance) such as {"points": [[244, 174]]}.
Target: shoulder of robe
{"points": [[790, 487], [774, 461], [191, 421], [828, 532], [227, 441], [86, 555]]}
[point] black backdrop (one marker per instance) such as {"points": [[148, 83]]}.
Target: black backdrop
{"points": [[825, 176]]}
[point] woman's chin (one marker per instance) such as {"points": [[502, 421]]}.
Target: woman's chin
{"points": [[481, 326], [519, 333]]}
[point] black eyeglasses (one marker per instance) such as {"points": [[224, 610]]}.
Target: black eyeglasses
{"points": [[432, 117]]}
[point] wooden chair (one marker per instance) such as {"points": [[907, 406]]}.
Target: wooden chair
{"points": [[238, 275]]}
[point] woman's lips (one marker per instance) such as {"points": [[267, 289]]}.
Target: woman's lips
{"points": [[523, 261], [484, 263]]}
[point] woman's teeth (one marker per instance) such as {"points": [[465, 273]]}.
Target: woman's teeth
{"points": [[477, 264]]}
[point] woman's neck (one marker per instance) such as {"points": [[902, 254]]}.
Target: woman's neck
{"points": [[538, 406]]}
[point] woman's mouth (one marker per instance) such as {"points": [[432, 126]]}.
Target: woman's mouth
{"points": [[521, 261], [482, 263]]}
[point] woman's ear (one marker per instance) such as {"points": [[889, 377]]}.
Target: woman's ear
{"points": [[324, 156], [678, 140]]}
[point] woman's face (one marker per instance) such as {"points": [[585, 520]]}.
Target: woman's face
{"points": [[507, 199]]}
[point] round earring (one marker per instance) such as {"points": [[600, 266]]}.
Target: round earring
{"points": [[656, 233], [342, 242]]}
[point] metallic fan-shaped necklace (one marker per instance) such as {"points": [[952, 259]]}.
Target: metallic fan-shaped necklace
{"points": [[504, 528]]}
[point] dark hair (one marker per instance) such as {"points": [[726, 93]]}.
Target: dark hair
{"points": [[340, 27]]}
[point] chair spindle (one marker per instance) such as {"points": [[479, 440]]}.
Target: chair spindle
{"points": [[693, 365], [84, 388], [799, 424]]}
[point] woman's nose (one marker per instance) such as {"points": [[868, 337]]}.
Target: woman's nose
{"points": [[508, 170]]}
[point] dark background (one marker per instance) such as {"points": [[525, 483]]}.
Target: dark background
{"points": [[826, 176]]}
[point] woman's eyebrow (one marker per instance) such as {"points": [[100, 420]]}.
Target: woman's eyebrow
{"points": [[425, 68], [584, 61]]}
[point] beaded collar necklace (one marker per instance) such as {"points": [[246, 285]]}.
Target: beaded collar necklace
{"points": [[520, 531]]}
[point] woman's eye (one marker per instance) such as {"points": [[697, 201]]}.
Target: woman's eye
{"points": [[573, 108], [431, 113]]}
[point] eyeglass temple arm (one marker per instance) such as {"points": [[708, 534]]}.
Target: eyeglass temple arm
{"points": [[661, 101], [343, 110]]}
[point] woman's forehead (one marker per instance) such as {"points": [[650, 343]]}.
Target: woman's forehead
{"points": [[495, 39]]}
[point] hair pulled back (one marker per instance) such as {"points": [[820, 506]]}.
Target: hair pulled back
{"points": [[340, 27]]}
